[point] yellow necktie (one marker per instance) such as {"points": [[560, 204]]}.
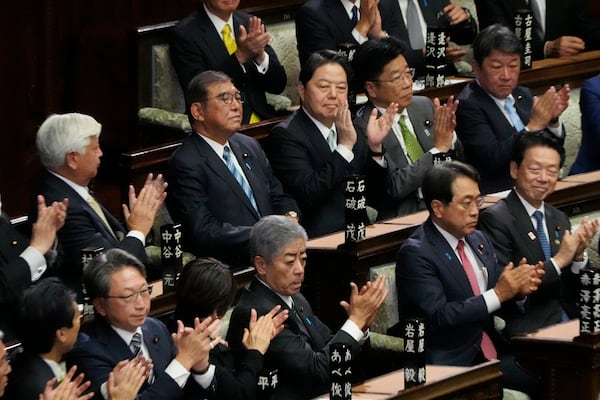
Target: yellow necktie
{"points": [[96, 207], [228, 39], [231, 46]]}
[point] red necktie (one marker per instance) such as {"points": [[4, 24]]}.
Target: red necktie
{"points": [[487, 347]]}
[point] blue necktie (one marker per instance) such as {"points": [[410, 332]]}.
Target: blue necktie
{"points": [[509, 106], [238, 177], [136, 344], [354, 18], [541, 234]]}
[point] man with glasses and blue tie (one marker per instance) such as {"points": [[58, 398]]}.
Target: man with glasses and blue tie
{"points": [[522, 225], [177, 364], [222, 182], [423, 131], [494, 110]]}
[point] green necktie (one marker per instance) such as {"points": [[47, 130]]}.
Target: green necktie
{"points": [[413, 148]]}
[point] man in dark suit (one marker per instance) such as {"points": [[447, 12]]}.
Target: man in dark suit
{"points": [[589, 103], [122, 330], [300, 353], [513, 228], [381, 69], [23, 261], [313, 149], [493, 109], [447, 273], [48, 324], [217, 207], [567, 27], [198, 44], [325, 24], [69, 149]]}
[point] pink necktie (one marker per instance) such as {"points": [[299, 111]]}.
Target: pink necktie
{"points": [[487, 347]]}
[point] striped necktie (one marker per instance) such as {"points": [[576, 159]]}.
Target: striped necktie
{"points": [[136, 344], [541, 234], [237, 174]]}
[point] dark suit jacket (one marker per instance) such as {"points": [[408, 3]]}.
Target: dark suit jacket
{"points": [[196, 46], [405, 178], [433, 285], [214, 211], [15, 275], [463, 33], [83, 228], [324, 24], [314, 175], [509, 228], [563, 18], [589, 103], [488, 136], [28, 377], [99, 348], [300, 352]]}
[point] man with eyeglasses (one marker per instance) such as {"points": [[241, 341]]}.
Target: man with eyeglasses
{"points": [[522, 225], [122, 330], [494, 109], [423, 131], [447, 274], [221, 182], [316, 147]]}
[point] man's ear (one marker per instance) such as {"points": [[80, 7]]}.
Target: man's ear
{"points": [[438, 208], [197, 111], [99, 306], [300, 87], [260, 265], [370, 90], [514, 170]]}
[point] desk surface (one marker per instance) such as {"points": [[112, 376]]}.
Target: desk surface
{"points": [[441, 381]]}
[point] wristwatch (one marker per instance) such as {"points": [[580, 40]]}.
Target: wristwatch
{"points": [[292, 214]]}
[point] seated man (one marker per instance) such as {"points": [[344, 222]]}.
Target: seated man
{"points": [[22, 261], [205, 288], [313, 149], [221, 180], [494, 110], [411, 149], [327, 24], [522, 225], [447, 273], [49, 321], [122, 330], [589, 104], [561, 27], [218, 37], [300, 352], [69, 149]]}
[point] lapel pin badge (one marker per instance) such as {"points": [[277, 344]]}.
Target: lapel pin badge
{"points": [[531, 235], [448, 256], [480, 249]]}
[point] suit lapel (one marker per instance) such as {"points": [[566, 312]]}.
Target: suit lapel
{"points": [[218, 166], [212, 38], [317, 141], [527, 232], [245, 158], [448, 258], [421, 126], [340, 20]]}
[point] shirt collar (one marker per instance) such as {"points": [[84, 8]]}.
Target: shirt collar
{"points": [[529, 209], [287, 299], [320, 126], [83, 191], [126, 335], [348, 6], [218, 23]]}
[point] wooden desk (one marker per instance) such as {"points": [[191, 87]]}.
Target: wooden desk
{"points": [[333, 264], [478, 382], [568, 364]]}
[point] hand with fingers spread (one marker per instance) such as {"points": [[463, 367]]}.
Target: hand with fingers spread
{"points": [[69, 389], [143, 207], [445, 123], [543, 110], [378, 128], [132, 375], [345, 129], [251, 42], [364, 304], [50, 219]]}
